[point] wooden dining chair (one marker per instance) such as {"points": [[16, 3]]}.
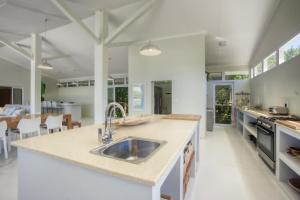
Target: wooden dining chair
{"points": [[3, 129]]}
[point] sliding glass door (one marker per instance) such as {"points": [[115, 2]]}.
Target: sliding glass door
{"points": [[17, 96]]}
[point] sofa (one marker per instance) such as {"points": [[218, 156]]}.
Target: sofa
{"points": [[13, 110]]}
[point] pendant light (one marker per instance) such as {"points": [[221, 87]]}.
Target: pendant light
{"points": [[150, 50], [45, 65]]}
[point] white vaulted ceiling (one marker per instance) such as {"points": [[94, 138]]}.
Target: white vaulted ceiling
{"points": [[239, 22]]}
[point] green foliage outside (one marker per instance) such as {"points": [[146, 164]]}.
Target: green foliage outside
{"points": [[223, 104], [291, 52], [271, 61], [237, 77], [122, 98]]}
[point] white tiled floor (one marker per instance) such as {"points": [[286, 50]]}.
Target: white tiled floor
{"points": [[229, 170]]}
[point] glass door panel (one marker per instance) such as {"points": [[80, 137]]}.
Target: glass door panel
{"points": [[223, 104]]}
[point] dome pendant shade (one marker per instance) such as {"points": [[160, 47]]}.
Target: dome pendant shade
{"points": [[45, 65], [150, 50]]}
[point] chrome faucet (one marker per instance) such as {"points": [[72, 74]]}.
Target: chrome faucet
{"points": [[107, 135]]}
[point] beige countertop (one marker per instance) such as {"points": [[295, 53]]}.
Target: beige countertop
{"points": [[74, 146], [256, 113], [289, 125], [292, 125]]}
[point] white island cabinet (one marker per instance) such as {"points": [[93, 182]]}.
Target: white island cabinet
{"points": [[73, 109], [60, 166]]}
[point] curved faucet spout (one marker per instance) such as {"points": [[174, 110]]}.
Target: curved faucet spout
{"points": [[107, 136]]}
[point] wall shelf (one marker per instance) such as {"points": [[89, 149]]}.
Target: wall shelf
{"points": [[292, 194], [287, 166], [251, 130], [291, 162]]}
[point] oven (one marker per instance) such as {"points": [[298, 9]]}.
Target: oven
{"points": [[266, 143]]}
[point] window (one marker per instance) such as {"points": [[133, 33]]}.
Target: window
{"points": [[290, 49], [92, 82], [72, 84], [119, 81], [213, 76], [110, 81], [252, 72], [237, 75], [83, 83], [258, 69], [270, 61]]}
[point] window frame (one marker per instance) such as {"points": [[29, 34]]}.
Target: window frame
{"points": [[265, 67], [262, 69], [281, 50], [278, 53]]}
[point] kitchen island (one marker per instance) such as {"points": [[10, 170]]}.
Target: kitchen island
{"points": [[60, 165]]}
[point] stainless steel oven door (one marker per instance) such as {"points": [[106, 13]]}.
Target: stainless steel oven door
{"points": [[266, 142]]}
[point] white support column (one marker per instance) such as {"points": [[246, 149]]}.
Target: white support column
{"points": [[35, 75], [100, 67]]}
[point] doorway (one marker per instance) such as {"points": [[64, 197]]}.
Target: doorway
{"points": [[162, 97], [10, 95], [223, 98], [5, 96]]}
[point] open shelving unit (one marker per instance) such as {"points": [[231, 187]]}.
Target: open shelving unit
{"points": [[251, 129], [246, 126], [287, 166], [179, 183]]}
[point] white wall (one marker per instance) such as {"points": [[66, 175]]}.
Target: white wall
{"points": [[182, 62], [79, 95], [12, 75], [51, 88], [282, 83], [278, 86]]}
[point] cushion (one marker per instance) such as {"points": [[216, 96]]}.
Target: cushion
{"points": [[19, 112], [6, 111], [10, 111]]}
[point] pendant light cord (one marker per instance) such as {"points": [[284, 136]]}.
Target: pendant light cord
{"points": [[45, 33]]}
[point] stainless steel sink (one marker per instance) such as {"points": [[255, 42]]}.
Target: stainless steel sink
{"points": [[131, 149]]}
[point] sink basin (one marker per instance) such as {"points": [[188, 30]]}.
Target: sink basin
{"points": [[131, 149]]}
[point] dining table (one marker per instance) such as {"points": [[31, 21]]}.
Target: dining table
{"points": [[12, 122]]}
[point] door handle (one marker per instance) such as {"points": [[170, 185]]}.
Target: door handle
{"points": [[265, 132]]}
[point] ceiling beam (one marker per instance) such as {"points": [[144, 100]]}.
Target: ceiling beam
{"points": [[121, 44], [16, 48], [57, 57], [35, 10], [62, 6], [142, 11]]}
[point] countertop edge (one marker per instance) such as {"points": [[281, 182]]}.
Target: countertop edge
{"points": [[150, 182], [87, 166]]}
